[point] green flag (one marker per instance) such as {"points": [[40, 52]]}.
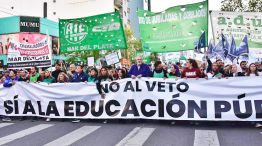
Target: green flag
{"points": [[100, 32], [175, 29]]}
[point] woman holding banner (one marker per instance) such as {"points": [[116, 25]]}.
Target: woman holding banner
{"points": [[62, 78], [191, 70], [93, 75], [103, 76], [121, 73]]}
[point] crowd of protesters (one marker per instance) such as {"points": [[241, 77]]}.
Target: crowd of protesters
{"points": [[77, 73]]}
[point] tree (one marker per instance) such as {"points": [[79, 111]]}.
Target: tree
{"points": [[255, 6], [242, 5], [232, 5], [82, 56], [133, 45]]}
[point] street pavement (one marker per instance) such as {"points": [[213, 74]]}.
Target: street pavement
{"points": [[130, 133]]}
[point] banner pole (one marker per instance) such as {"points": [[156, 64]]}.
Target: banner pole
{"points": [[48, 44], [212, 26]]}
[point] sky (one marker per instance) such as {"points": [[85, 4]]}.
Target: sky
{"points": [[161, 5], [21, 7]]}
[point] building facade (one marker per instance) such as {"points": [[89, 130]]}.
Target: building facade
{"points": [[56, 9]]}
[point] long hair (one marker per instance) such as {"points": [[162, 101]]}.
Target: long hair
{"points": [[65, 77], [249, 70], [193, 62], [100, 72], [124, 73]]}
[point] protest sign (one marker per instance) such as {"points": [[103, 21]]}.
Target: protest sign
{"points": [[112, 58], [27, 50], [141, 98]]}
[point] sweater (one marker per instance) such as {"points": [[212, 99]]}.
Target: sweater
{"points": [[144, 70]]}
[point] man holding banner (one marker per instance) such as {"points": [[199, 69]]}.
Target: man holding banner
{"points": [[139, 69]]}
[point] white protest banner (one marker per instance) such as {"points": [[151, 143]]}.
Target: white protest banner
{"points": [[32, 50], [233, 99], [238, 24], [112, 58], [90, 61]]}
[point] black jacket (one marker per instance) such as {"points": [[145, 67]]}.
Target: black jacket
{"points": [[100, 80]]}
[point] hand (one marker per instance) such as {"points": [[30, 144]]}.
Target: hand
{"points": [[197, 78], [164, 78], [206, 77], [133, 77], [139, 76], [13, 83], [177, 79], [27, 81]]}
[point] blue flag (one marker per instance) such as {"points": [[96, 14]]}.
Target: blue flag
{"points": [[243, 48], [231, 50], [201, 43], [210, 49], [219, 49], [225, 45]]}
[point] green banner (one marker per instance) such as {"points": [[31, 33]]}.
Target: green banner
{"points": [[175, 29], [100, 32]]}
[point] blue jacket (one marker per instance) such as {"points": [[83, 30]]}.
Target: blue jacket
{"points": [[82, 77], [144, 70], [8, 81]]}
